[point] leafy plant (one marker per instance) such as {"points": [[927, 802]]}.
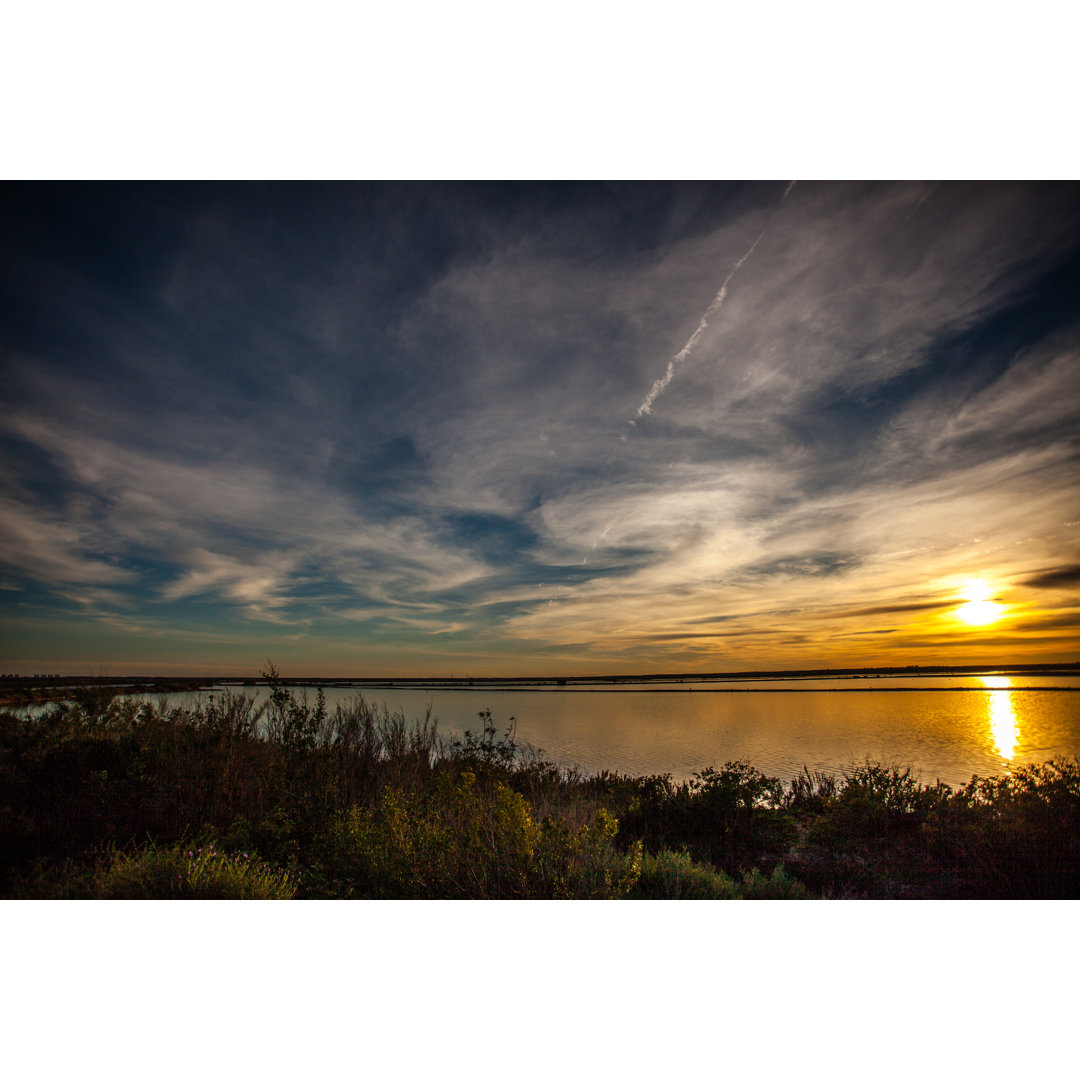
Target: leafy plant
{"points": [[467, 841], [173, 873]]}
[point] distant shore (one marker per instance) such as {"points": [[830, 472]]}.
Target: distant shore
{"points": [[16, 690]]}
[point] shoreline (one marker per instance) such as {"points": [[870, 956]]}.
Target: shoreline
{"points": [[16, 691]]}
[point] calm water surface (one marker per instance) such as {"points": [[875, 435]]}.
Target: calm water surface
{"points": [[988, 726]]}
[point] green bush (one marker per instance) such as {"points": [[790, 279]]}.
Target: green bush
{"points": [[466, 840], [778, 885], [673, 875], [172, 873]]}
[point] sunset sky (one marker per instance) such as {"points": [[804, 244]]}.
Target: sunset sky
{"points": [[423, 429]]}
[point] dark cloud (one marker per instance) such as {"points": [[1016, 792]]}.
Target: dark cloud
{"points": [[812, 564], [890, 609], [1061, 577], [1067, 621]]}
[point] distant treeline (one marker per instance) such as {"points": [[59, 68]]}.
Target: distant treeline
{"points": [[16, 690], [29, 689], [109, 797]]}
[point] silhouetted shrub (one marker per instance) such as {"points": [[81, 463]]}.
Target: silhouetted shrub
{"points": [[732, 817], [1017, 836]]}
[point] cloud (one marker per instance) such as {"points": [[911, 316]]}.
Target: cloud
{"points": [[257, 585], [49, 549], [404, 412], [890, 609], [1060, 577], [237, 530], [809, 564]]}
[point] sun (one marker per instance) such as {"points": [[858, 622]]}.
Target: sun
{"points": [[980, 609]]}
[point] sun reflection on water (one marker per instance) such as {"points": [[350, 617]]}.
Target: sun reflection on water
{"points": [[1004, 729]]}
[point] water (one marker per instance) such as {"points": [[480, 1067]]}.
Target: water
{"points": [[944, 727], [982, 725]]}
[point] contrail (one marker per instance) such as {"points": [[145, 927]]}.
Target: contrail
{"points": [[660, 385], [922, 198]]}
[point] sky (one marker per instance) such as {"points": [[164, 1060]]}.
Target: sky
{"points": [[534, 429]]}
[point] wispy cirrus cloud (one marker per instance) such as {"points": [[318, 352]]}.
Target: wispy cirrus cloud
{"points": [[404, 412]]}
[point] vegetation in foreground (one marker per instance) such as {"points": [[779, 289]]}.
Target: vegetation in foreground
{"points": [[111, 798]]}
